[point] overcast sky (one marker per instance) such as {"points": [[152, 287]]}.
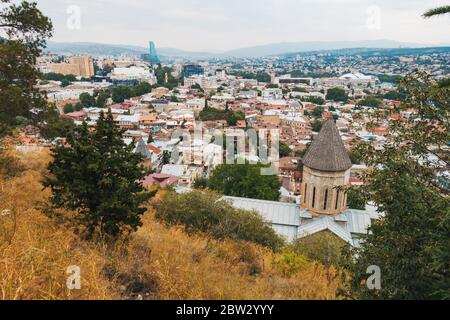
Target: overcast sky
{"points": [[218, 25]]}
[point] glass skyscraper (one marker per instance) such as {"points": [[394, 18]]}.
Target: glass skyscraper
{"points": [[154, 59]]}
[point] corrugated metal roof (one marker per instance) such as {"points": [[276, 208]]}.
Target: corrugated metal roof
{"points": [[275, 212], [324, 223], [289, 233], [291, 221], [358, 221]]}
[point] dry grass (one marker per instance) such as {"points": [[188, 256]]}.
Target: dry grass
{"points": [[34, 264], [157, 263]]}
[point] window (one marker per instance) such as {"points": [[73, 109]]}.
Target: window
{"points": [[326, 200], [305, 194], [314, 197], [337, 200]]}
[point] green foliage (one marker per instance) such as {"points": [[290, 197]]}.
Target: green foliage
{"points": [[121, 93], [87, 100], [244, 180], [142, 88], [318, 111], [97, 175], [437, 11], [285, 151], [200, 183], [260, 76], [389, 78], [161, 72], [337, 94], [65, 83], [166, 157], [299, 89], [205, 212], [324, 247], [356, 199], [55, 126], [290, 263], [370, 102], [316, 100], [410, 243], [212, 114], [68, 108], [59, 77], [198, 87], [101, 98], [317, 125], [24, 30], [395, 95]]}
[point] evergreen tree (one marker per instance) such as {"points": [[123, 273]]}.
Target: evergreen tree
{"points": [[97, 175]]}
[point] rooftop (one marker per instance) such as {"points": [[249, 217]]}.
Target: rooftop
{"points": [[327, 152]]}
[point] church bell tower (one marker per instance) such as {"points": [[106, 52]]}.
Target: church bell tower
{"points": [[326, 167]]}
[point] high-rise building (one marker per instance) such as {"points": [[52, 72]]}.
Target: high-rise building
{"points": [[153, 58]]}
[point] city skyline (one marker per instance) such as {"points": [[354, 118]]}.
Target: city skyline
{"points": [[194, 25]]}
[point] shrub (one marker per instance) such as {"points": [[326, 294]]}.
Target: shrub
{"points": [[204, 212]]}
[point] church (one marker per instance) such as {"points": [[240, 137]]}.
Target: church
{"points": [[323, 204]]}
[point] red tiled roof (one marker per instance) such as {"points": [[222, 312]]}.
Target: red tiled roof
{"points": [[154, 149], [163, 180]]}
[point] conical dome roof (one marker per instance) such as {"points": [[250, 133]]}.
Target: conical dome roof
{"points": [[327, 152]]}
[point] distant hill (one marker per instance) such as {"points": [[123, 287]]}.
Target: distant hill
{"points": [[376, 51], [285, 48], [93, 48], [99, 49]]}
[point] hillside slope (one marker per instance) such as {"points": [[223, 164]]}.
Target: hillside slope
{"points": [[157, 263]]}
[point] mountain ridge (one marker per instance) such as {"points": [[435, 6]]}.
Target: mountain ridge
{"points": [[282, 48]]}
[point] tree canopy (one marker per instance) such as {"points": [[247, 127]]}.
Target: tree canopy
{"points": [[337, 94], [410, 243], [244, 180], [24, 30]]}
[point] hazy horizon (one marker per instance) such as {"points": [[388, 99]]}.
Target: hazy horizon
{"points": [[218, 26]]}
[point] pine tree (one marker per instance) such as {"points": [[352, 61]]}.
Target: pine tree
{"points": [[97, 175]]}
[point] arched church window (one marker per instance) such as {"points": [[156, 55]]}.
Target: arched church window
{"points": [[306, 193], [337, 200], [325, 200], [314, 197]]}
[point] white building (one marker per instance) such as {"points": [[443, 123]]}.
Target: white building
{"points": [[133, 73]]}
